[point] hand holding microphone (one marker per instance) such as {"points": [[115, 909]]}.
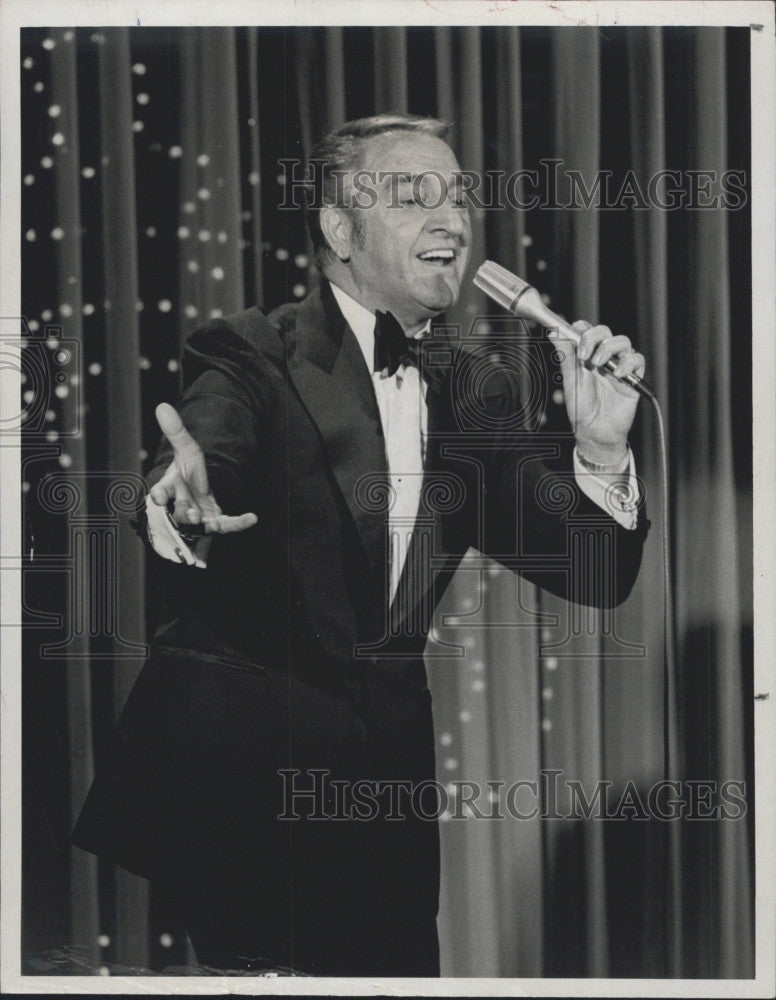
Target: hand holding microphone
{"points": [[523, 300], [602, 375]]}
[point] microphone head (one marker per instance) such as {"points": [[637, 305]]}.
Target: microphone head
{"points": [[500, 285]]}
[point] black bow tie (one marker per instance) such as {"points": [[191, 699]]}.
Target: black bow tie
{"points": [[392, 346]]}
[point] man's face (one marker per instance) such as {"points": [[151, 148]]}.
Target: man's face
{"points": [[411, 248]]}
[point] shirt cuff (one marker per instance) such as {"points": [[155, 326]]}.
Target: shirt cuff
{"points": [[165, 538], [617, 495]]}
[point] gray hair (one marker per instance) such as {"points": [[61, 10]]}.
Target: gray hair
{"points": [[342, 151]]}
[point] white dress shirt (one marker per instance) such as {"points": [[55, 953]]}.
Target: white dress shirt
{"points": [[401, 400]]}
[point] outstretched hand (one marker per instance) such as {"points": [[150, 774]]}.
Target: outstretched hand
{"points": [[185, 482], [600, 407]]}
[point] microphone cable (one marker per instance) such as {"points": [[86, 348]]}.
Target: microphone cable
{"points": [[669, 634], [673, 878]]}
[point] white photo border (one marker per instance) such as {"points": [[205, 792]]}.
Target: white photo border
{"points": [[759, 15]]}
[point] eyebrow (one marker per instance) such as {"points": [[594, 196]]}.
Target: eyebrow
{"points": [[403, 177]]}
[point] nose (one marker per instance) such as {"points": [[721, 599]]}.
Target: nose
{"points": [[452, 219]]}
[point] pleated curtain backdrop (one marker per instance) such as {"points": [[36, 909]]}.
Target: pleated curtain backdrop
{"points": [[152, 180]]}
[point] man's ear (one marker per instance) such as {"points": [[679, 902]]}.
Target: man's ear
{"points": [[337, 229]]}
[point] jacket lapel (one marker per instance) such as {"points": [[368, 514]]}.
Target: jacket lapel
{"points": [[327, 369]]}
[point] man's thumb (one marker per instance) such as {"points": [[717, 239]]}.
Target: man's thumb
{"points": [[565, 355]]}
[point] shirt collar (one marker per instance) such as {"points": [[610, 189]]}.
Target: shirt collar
{"points": [[362, 322]]}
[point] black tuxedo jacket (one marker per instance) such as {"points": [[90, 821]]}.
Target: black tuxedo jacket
{"points": [[283, 655]]}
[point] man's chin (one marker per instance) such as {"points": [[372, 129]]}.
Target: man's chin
{"points": [[443, 298]]}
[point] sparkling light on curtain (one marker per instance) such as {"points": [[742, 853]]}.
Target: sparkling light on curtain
{"points": [[151, 184]]}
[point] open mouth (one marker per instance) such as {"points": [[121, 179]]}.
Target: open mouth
{"points": [[439, 258]]}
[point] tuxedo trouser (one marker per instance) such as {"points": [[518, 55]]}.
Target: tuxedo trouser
{"points": [[225, 935], [323, 898]]}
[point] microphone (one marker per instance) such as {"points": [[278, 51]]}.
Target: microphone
{"points": [[523, 301]]}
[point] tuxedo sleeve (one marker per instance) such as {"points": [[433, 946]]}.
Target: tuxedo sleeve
{"points": [[540, 523], [223, 407]]}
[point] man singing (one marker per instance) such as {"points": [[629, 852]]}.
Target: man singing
{"points": [[324, 476]]}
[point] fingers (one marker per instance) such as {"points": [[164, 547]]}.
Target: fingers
{"points": [[565, 352], [186, 483], [597, 345], [632, 364], [189, 457], [172, 487], [183, 444], [164, 491], [225, 524], [185, 510]]}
